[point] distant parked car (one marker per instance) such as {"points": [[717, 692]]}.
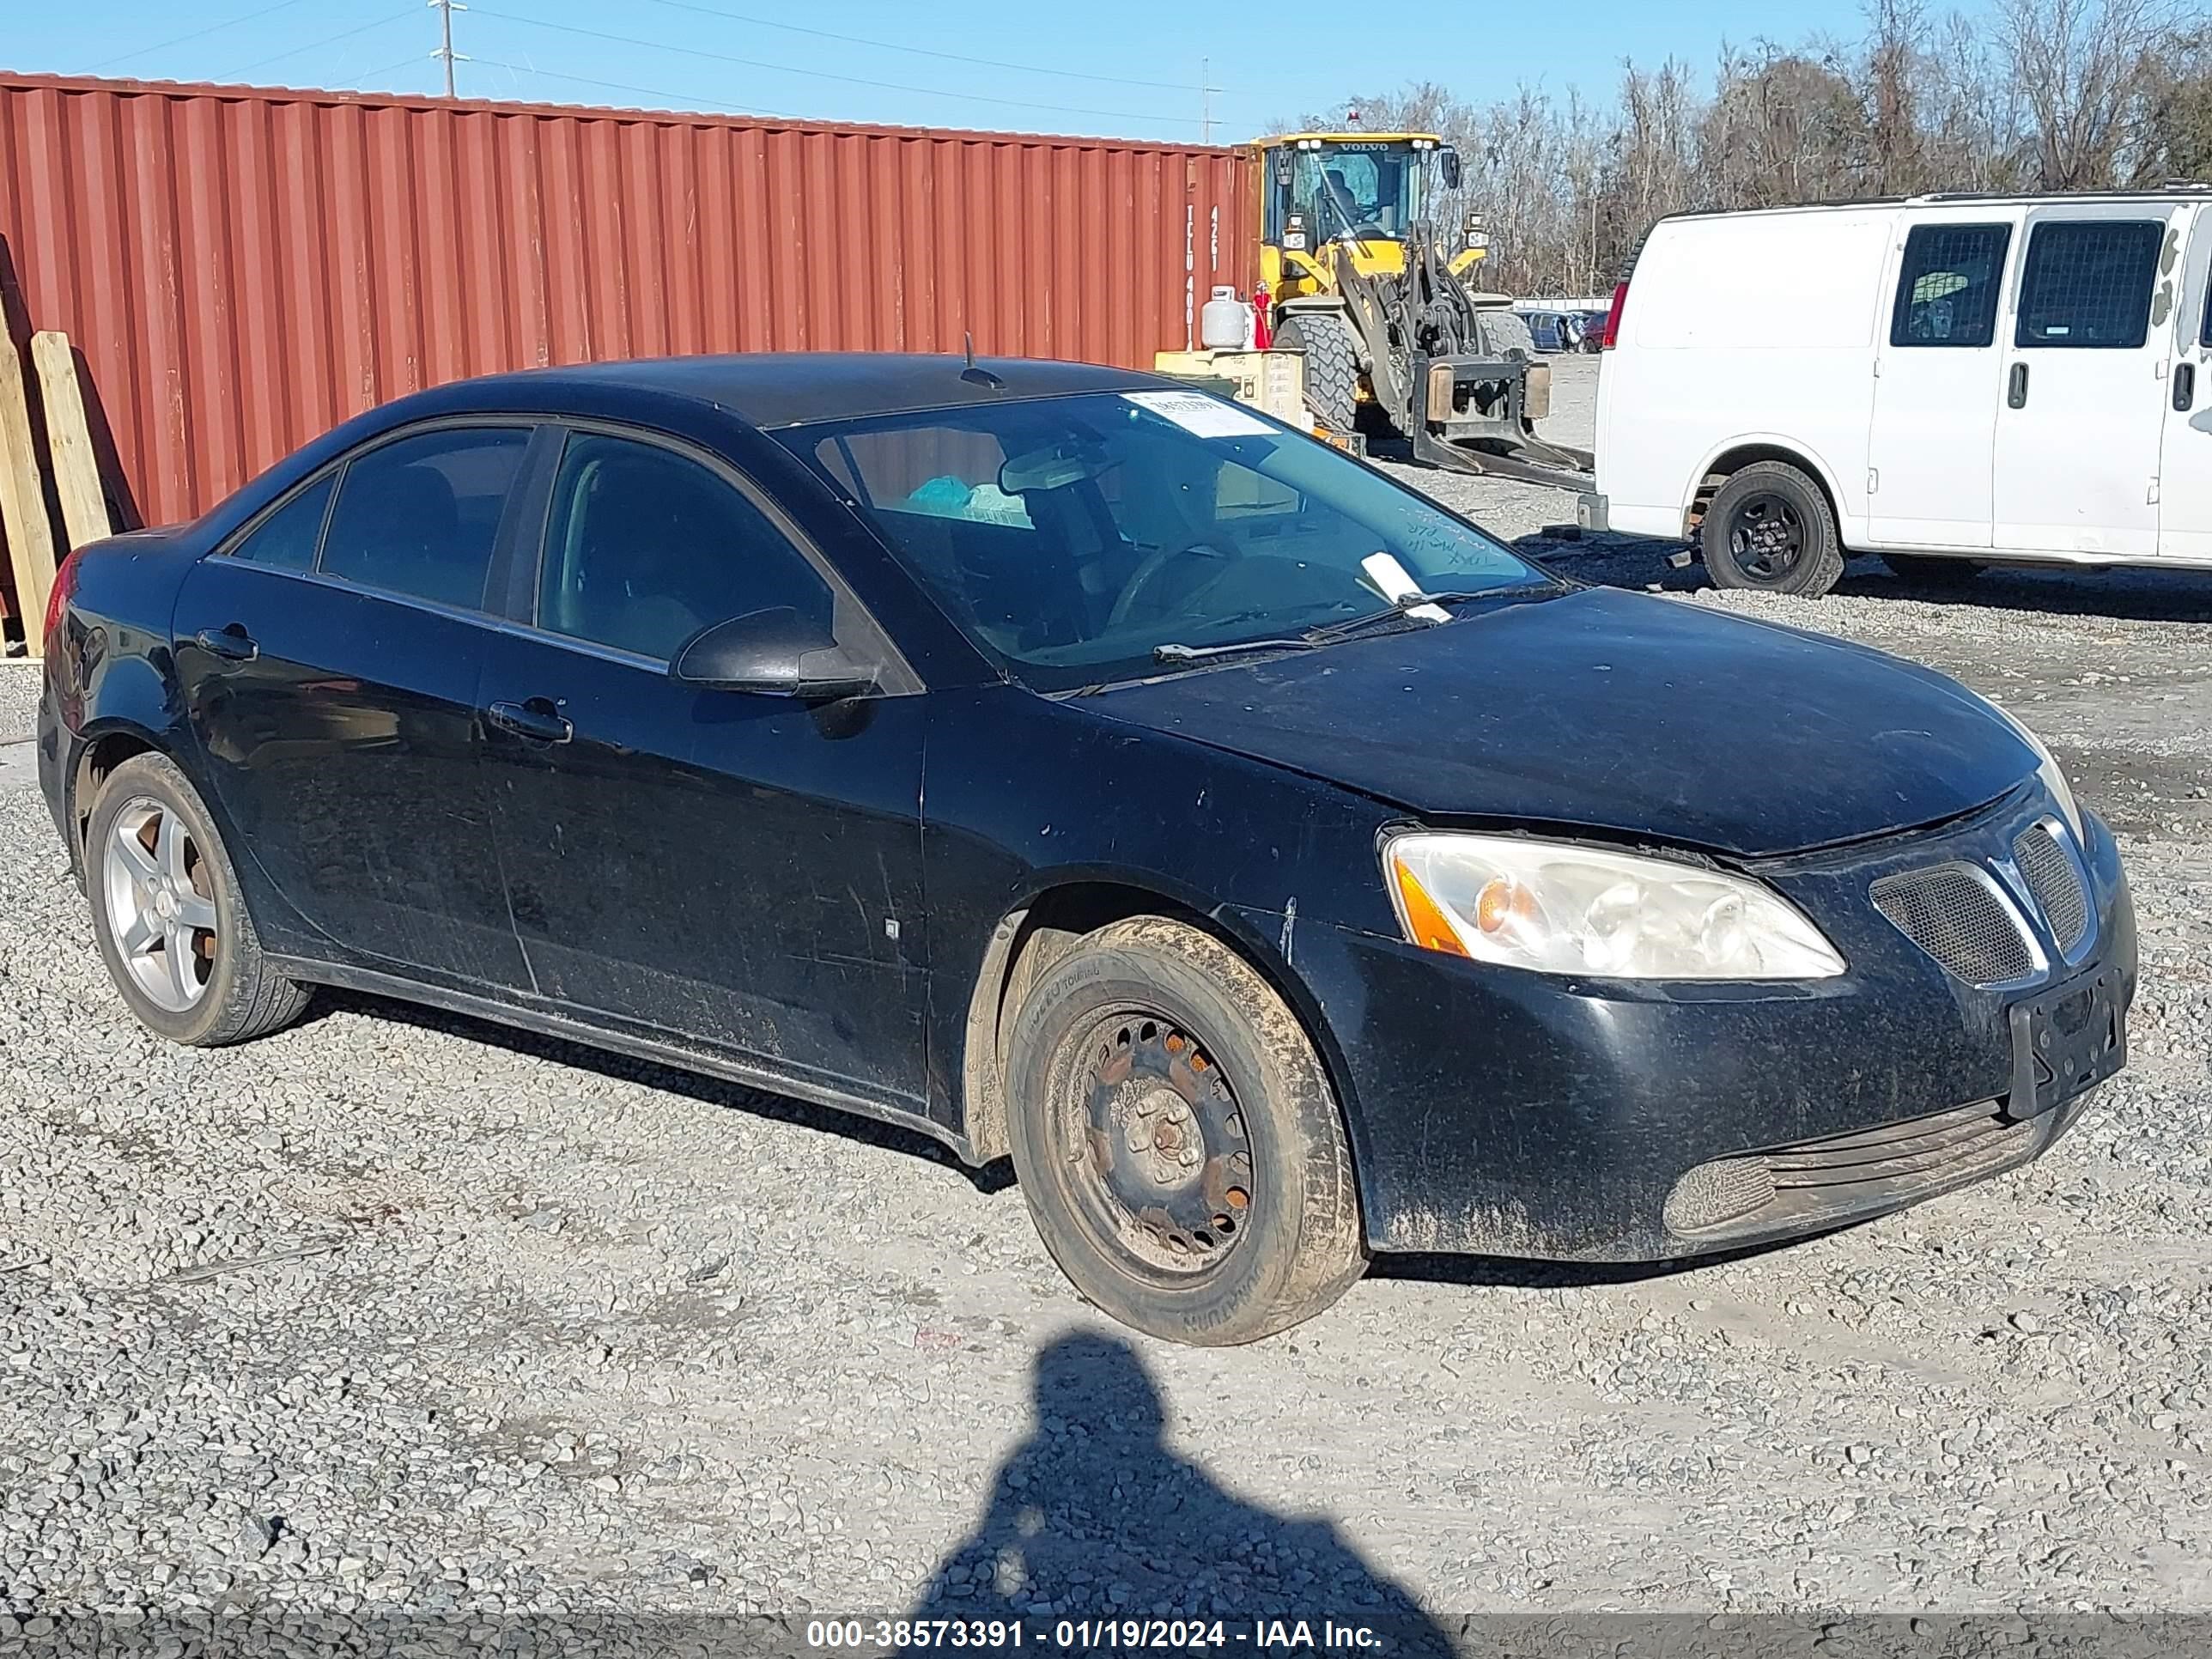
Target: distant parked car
{"points": [[1062, 762], [1551, 331], [1946, 381], [1590, 331]]}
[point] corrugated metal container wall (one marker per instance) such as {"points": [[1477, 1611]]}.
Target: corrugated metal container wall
{"points": [[245, 269]]}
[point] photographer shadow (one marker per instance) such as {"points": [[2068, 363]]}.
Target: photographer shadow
{"points": [[1092, 1516]]}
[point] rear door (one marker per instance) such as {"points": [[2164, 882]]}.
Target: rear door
{"points": [[734, 870], [329, 659], [2184, 472], [2083, 403], [1937, 370]]}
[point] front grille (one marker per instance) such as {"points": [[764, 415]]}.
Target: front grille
{"points": [[1953, 913], [2056, 881], [1815, 1183]]}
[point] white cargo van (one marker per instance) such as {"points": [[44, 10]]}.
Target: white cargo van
{"points": [[1948, 381]]}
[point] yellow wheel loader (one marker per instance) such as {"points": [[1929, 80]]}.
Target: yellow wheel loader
{"points": [[1396, 340]]}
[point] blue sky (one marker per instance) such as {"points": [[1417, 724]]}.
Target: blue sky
{"points": [[1129, 68]]}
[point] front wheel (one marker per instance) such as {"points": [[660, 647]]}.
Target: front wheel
{"points": [[1770, 528], [171, 920], [1177, 1139], [1332, 366]]}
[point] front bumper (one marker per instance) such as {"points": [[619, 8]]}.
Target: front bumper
{"points": [[1500, 1112]]}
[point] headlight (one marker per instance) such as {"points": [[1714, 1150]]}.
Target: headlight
{"points": [[1557, 908], [2047, 769]]}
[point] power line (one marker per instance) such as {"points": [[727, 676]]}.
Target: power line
{"points": [[312, 46], [677, 100], [849, 80], [212, 28], [919, 52], [411, 58]]}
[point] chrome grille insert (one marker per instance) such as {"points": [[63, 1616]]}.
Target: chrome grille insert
{"points": [[1955, 912], [2056, 882]]}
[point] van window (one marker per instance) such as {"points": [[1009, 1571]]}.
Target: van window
{"points": [[2088, 283], [1946, 289]]}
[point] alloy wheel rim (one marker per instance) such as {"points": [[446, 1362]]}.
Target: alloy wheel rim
{"points": [[1767, 538], [1158, 1155], [161, 903]]}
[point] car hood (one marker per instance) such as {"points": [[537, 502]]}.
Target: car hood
{"points": [[1617, 712]]}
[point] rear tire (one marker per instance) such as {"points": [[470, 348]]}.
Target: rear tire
{"points": [[1332, 366], [170, 917], [1770, 528], [1177, 1140], [1933, 569]]}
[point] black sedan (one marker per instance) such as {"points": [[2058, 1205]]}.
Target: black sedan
{"points": [[1076, 767]]}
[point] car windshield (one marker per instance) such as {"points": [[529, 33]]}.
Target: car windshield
{"points": [[1071, 538]]}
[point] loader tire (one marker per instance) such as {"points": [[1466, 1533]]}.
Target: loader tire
{"points": [[1506, 334], [1332, 366]]}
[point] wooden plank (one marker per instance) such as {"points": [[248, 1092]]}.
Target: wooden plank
{"points": [[68, 442], [23, 500]]}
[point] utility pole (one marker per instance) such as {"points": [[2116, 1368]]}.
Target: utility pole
{"points": [[1205, 100], [446, 9]]}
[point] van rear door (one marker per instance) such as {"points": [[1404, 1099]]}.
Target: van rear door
{"points": [[2083, 404], [2184, 472], [1938, 370]]}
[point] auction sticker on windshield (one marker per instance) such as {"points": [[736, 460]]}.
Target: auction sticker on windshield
{"points": [[1200, 415]]}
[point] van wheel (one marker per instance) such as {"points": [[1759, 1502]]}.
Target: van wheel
{"points": [[1770, 528], [1177, 1140], [169, 915], [1332, 366], [1933, 569]]}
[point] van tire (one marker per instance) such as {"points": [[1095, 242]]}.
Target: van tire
{"points": [[1933, 569], [1332, 366], [1770, 528]]}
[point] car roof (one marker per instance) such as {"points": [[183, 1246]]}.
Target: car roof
{"points": [[2178, 191], [779, 389]]}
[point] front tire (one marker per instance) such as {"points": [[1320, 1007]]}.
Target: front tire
{"points": [[1177, 1140], [1770, 528], [170, 917], [1332, 366]]}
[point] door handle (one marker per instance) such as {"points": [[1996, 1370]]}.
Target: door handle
{"points": [[2016, 389], [2184, 386], [538, 719], [231, 643]]}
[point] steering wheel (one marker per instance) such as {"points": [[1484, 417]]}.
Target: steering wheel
{"points": [[1148, 572]]}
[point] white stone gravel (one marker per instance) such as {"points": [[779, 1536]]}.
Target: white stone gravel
{"points": [[396, 1312]]}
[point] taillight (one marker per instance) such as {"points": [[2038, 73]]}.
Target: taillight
{"points": [[57, 597], [1611, 338]]}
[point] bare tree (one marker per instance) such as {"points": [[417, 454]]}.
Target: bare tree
{"points": [[2058, 94], [2082, 67]]}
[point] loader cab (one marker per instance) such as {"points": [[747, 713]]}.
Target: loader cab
{"points": [[1365, 191]]}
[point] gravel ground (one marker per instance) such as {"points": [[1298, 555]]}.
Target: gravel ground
{"points": [[396, 1313]]}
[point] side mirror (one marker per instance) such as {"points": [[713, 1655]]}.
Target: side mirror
{"points": [[1447, 166], [772, 654]]}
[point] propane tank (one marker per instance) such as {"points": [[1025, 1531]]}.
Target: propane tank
{"points": [[1223, 321]]}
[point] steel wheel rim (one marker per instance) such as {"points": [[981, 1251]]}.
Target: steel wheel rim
{"points": [[1766, 534], [159, 893], [1156, 1151]]}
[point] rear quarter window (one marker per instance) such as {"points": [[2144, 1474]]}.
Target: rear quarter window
{"points": [[2086, 284]]}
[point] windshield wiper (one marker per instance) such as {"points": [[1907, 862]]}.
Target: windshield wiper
{"points": [[1175, 651], [1405, 602]]}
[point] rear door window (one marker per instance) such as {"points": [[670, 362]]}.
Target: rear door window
{"points": [[2088, 283], [1948, 285], [419, 516], [287, 539]]}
